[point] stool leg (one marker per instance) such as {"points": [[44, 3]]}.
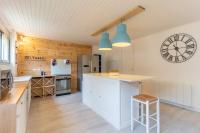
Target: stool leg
{"points": [[147, 117], [132, 115], [158, 115], [142, 113]]}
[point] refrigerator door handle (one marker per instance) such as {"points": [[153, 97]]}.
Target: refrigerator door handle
{"points": [[91, 68]]}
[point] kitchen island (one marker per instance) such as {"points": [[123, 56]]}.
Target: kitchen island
{"points": [[109, 95]]}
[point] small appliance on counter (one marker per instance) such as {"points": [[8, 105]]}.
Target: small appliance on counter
{"points": [[87, 64], [6, 82], [61, 68]]}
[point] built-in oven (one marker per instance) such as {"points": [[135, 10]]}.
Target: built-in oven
{"points": [[63, 85], [6, 82]]}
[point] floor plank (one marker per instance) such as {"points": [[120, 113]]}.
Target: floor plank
{"points": [[66, 114]]}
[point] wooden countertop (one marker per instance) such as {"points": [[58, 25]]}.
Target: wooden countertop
{"points": [[19, 86], [121, 77]]}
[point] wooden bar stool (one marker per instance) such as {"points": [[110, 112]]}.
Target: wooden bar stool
{"points": [[146, 100]]}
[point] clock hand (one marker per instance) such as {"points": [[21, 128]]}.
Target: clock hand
{"points": [[178, 51], [175, 48]]}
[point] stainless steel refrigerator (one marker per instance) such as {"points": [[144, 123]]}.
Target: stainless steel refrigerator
{"points": [[87, 64]]}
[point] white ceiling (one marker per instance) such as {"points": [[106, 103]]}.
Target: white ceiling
{"points": [[75, 20]]}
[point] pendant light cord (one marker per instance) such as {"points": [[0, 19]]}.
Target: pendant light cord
{"points": [[121, 61], [122, 20]]}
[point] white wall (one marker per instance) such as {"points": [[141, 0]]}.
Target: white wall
{"points": [[175, 82], [180, 79], [117, 59], [148, 60], [105, 55]]}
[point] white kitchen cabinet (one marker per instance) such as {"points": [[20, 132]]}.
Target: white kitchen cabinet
{"points": [[28, 96], [87, 93], [23, 107], [110, 98], [19, 111], [22, 113]]}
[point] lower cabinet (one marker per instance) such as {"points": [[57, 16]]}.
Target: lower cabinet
{"points": [[22, 110], [28, 97], [22, 113], [103, 98]]}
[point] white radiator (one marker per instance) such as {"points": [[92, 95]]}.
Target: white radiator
{"points": [[177, 93]]}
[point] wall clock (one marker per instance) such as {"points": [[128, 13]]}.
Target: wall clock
{"points": [[178, 48]]}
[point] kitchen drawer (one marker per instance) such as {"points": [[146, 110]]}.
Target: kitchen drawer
{"points": [[19, 105], [21, 114]]}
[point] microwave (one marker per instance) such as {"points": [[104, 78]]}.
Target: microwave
{"points": [[6, 82]]}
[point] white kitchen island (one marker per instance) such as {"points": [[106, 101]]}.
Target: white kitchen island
{"points": [[110, 96]]}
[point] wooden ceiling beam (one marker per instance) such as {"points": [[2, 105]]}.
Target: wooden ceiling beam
{"points": [[126, 16]]}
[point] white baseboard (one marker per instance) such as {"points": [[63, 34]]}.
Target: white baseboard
{"points": [[125, 124], [190, 108]]}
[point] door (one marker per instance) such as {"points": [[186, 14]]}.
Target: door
{"points": [[95, 66]]}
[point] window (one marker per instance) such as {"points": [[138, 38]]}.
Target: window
{"points": [[4, 48]]}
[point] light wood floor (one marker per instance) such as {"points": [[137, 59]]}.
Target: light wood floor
{"points": [[66, 114]]}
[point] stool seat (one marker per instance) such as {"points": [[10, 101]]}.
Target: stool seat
{"points": [[144, 98]]}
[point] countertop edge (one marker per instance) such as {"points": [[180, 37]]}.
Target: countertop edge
{"points": [[19, 87], [121, 77]]}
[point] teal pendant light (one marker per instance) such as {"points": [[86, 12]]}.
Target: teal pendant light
{"points": [[121, 38], [105, 43]]}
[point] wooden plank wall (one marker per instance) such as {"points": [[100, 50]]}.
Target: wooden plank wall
{"points": [[48, 49]]}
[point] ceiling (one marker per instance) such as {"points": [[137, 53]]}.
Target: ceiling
{"points": [[75, 20]]}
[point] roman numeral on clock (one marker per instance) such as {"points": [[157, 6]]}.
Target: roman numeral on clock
{"points": [[189, 40], [170, 40], [182, 37], [183, 57], [190, 46], [176, 59], [170, 58], [166, 55], [189, 52], [166, 45], [176, 38], [164, 50]]}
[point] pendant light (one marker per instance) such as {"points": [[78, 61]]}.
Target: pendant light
{"points": [[105, 43], [121, 38]]}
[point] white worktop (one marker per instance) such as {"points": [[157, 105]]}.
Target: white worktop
{"points": [[122, 77]]}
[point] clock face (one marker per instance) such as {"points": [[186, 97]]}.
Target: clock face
{"points": [[178, 48]]}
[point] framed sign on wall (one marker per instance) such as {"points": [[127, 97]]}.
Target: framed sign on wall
{"points": [[34, 58]]}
